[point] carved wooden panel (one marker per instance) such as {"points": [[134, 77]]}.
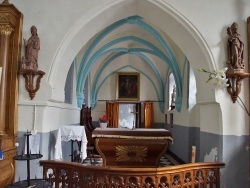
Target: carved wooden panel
{"points": [[131, 152], [7, 168], [65, 174], [10, 47], [248, 41], [248, 47]]}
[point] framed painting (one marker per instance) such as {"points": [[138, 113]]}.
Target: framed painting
{"points": [[128, 86]]}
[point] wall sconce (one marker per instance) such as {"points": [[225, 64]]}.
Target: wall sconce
{"points": [[234, 79], [32, 76]]}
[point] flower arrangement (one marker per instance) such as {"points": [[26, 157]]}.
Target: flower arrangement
{"points": [[104, 119], [217, 78]]}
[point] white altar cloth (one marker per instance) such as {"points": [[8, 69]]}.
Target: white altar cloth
{"points": [[68, 133]]}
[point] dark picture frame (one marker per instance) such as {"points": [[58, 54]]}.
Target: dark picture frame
{"points": [[128, 86]]}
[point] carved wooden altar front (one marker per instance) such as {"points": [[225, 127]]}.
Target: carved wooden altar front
{"points": [[139, 147]]}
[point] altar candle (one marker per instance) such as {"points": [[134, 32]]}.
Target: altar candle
{"points": [[193, 154]]}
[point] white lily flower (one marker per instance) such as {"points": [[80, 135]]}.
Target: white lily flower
{"points": [[222, 72], [219, 82], [217, 78]]}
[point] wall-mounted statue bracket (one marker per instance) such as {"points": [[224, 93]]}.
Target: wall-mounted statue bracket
{"points": [[32, 80], [235, 79], [235, 62], [29, 63]]}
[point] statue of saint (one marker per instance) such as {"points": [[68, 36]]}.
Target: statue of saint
{"points": [[32, 46], [173, 98], [235, 47]]}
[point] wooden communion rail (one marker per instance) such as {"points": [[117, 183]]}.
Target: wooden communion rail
{"points": [[75, 175]]}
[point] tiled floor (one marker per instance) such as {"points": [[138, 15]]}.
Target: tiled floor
{"points": [[166, 160]]}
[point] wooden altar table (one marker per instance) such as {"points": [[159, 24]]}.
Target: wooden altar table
{"points": [[123, 147]]}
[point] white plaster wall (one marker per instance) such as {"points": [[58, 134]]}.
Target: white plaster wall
{"points": [[48, 117], [65, 26]]}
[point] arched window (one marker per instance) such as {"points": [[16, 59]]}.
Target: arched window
{"points": [[192, 90], [171, 92]]}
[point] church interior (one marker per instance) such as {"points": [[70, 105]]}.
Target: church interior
{"points": [[138, 83]]}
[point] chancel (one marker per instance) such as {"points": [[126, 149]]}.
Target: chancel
{"points": [[183, 73]]}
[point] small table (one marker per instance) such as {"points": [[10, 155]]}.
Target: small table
{"points": [[121, 147], [71, 133]]}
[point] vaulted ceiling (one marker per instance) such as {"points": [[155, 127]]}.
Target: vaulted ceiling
{"points": [[129, 37]]}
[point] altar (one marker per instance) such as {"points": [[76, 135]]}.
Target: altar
{"points": [[139, 147]]}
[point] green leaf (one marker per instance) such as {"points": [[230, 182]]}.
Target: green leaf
{"points": [[201, 70], [209, 79]]}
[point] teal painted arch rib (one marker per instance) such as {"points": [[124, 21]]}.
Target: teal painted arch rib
{"points": [[135, 20], [158, 76], [107, 62], [157, 51], [138, 54], [126, 38], [135, 51], [94, 100], [104, 33], [177, 75], [170, 54], [159, 38]]}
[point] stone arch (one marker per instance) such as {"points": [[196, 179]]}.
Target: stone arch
{"points": [[86, 28], [186, 37]]}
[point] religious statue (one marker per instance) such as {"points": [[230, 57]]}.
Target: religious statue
{"points": [[173, 97], [32, 46], [6, 2], [235, 48]]}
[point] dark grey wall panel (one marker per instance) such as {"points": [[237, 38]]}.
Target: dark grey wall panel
{"points": [[184, 138], [232, 150], [236, 157], [209, 141]]}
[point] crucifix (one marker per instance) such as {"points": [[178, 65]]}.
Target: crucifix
{"points": [[134, 117]]}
